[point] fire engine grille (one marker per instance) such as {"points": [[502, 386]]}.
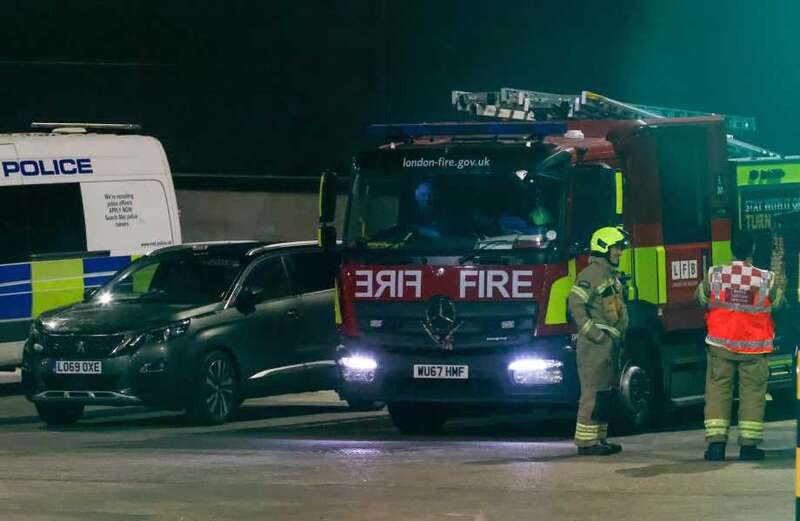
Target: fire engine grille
{"points": [[85, 346], [480, 325]]}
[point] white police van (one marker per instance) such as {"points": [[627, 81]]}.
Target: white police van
{"points": [[75, 207]]}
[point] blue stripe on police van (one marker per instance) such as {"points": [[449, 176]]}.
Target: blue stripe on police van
{"points": [[15, 273], [93, 282], [16, 306], [105, 264], [16, 287]]}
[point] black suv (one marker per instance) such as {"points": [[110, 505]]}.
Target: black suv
{"points": [[199, 327]]}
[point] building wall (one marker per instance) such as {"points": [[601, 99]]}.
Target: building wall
{"points": [[208, 215]]}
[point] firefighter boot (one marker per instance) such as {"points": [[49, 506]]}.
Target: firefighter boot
{"points": [[616, 447], [751, 453], [599, 449], [715, 451]]}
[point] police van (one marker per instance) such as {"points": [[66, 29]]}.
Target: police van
{"points": [[76, 205]]}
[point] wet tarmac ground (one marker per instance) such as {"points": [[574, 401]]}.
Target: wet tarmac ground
{"points": [[306, 457]]}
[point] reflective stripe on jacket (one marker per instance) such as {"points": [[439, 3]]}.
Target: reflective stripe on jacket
{"points": [[595, 301]]}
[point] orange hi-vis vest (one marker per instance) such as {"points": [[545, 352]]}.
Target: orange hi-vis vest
{"points": [[739, 310]]}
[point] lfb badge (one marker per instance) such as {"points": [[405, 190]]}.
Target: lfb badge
{"points": [[440, 322]]}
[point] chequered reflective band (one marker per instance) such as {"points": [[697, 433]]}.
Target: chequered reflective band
{"points": [[717, 427], [585, 432], [751, 430]]}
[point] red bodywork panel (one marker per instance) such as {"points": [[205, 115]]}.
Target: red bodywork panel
{"points": [[460, 283], [408, 283]]}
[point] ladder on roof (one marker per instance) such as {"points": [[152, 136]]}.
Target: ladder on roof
{"points": [[528, 105]]}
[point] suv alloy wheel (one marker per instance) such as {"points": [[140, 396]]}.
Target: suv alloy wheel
{"points": [[215, 397]]}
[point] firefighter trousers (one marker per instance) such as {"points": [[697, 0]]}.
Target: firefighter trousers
{"points": [[597, 371], [753, 372]]}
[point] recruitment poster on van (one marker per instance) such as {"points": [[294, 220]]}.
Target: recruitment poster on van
{"points": [[129, 216]]}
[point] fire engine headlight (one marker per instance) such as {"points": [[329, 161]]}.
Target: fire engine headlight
{"points": [[358, 368], [536, 371]]}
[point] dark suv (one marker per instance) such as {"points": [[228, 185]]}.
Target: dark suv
{"points": [[199, 327]]}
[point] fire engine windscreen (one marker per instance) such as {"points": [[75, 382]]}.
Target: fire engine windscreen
{"points": [[455, 204]]}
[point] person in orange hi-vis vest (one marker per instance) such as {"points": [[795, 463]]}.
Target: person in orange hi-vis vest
{"points": [[739, 299]]}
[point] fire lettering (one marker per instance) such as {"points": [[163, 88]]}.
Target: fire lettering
{"points": [[388, 283], [491, 284]]}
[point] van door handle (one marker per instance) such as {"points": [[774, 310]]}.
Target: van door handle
{"points": [[292, 313]]}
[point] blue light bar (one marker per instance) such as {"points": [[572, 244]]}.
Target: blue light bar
{"points": [[404, 131]]}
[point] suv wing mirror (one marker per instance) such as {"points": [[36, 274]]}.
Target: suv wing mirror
{"points": [[249, 297]]}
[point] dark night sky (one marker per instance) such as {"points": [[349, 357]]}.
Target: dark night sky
{"points": [[287, 87]]}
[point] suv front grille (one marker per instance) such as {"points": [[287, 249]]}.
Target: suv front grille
{"points": [[82, 345]]}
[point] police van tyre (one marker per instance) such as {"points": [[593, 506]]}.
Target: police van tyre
{"points": [[417, 418], [215, 396], [59, 413]]}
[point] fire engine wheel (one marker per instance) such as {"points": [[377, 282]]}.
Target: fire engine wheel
{"points": [[365, 405], [637, 395], [417, 418]]}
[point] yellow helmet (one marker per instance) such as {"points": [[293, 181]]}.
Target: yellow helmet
{"points": [[606, 237]]}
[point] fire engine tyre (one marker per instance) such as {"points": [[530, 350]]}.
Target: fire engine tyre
{"points": [[783, 398], [59, 413], [216, 391], [417, 418], [637, 400], [365, 405]]}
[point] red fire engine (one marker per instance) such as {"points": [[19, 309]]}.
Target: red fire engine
{"points": [[462, 240]]}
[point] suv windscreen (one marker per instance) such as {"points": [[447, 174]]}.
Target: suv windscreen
{"points": [[193, 277]]}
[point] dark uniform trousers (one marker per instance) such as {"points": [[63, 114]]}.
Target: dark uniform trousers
{"points": [[753, 372]]}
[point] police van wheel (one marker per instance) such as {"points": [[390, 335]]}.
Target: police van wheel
{"points": [[59, 413], [417, 418], [216, 394], [637, 396]]}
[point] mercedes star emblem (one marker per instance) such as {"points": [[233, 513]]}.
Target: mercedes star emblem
{"points": [[440, 321]]}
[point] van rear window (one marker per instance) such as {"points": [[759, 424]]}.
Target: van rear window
{"points": [[40, 220]]}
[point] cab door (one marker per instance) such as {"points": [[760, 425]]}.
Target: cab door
{"points": [[678, 217]]}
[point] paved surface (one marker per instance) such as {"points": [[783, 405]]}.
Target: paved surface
{"points": [[307, 458]]}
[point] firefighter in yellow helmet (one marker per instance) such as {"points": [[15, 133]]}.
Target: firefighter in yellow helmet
{"points": [[596, 305]]}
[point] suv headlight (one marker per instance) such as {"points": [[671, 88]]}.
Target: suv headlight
{"points": [[34, 341], [153, 336]]}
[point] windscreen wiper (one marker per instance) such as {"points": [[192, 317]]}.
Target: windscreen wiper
{"points": [[494, 242]]}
